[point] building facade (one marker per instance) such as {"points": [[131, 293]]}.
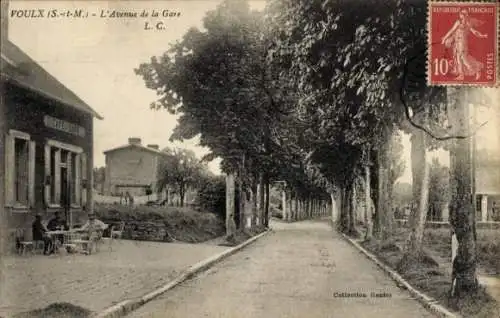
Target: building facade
{"points": [[132, 168], [48, 143]]}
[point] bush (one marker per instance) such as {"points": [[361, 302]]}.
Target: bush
{"points": [[212, 196], [148, 223], [57, 310]]}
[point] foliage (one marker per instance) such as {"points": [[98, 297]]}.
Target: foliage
{"points": [[212, 196], [225, 92], [99, 177], [439, 188], [402, 194], [179, 169], [214, 80]]}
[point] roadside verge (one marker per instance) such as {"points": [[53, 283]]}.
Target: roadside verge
{"points": [[428, 302], [123, 308]]}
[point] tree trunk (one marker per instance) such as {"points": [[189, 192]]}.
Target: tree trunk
{"points": [[284, 207], [462, 218], [266, 209], [420, 192], [384, 226], [351, 208], [374, 185], [242, 202], [261, 199], [368, 210], [310, 207], [181, 194], [253, 200], [344, 210], [230, 208]]}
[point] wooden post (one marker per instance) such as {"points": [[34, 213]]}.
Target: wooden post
{"points": [[283, 205], [484, 208]]}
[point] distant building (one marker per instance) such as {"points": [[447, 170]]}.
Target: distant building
{"points": [[486, 147], [47, 141], [132, 168]]}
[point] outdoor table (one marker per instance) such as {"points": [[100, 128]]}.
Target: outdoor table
{"points": [[54, 234]]}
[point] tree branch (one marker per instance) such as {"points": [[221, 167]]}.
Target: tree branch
{"points": [[407, 109]]}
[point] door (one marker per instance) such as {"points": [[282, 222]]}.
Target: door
{"points": [[65, 192]]}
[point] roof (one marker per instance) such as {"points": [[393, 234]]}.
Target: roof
{"points": [[139, 147], [18, 68]]}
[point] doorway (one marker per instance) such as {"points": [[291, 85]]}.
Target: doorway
{"points": [[65, 192]]}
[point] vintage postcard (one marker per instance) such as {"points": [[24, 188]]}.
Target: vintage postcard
{"points": [[249, 158]]}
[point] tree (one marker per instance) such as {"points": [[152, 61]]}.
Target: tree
{"points": [[179, 169], [439, 192], [219, 83], [99, 178], [462, 216], [402, 194]]}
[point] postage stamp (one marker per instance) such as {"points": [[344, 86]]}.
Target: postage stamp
{"points": [[463, 43]]}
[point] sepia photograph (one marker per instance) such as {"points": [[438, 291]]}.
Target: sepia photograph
{"points": [[250, 158]]}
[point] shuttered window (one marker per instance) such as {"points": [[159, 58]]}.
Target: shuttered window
{"points": [[19, 170]]}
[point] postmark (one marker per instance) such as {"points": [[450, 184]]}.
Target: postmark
{"points": [[463, 43]]}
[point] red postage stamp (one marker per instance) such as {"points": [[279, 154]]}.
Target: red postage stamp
{"points": [[463, 43]]}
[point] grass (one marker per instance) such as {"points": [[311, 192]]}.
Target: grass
{"points": [[242, 235], [488, 247], [182, 223], [431, 277], [57, 310]]}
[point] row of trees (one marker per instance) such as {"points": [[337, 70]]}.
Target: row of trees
{"points": [[312, 93]]}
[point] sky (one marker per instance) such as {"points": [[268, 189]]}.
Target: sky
{"points": [[95, 57]]}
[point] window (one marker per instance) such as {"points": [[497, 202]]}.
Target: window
{"points": [[73, 178], [63, 169], [19, 170], [21, 180]]}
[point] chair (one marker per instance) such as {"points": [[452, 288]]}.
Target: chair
{"points": [[73, 240], [24, 244], [119, 232], [115, 234]]}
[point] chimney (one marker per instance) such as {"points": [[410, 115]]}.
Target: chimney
{"points": [[5, 20], [156, 147], [134, 141]]}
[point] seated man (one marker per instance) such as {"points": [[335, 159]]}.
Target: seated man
{"points": [[56, 223], [93, 229], [40, 234]]}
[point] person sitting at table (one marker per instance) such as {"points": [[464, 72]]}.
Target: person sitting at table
{"points": [[93, 228], [40, 234], [56, 223]]}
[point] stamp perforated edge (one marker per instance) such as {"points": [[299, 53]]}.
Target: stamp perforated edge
{"points": [[497, 37]]}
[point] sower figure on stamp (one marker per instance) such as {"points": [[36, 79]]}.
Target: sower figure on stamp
{"points": [[456, 39]]}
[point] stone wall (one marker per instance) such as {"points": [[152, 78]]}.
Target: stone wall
{"points": [[144, 231]]}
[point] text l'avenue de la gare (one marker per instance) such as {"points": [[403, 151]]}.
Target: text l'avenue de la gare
{"points": [[51, 13]]}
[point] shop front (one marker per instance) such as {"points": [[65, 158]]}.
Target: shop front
{"points": [[48, 145]]}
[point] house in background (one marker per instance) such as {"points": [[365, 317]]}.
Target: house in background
{"points": [[486, 160], [47, 139], [132, 168]]}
